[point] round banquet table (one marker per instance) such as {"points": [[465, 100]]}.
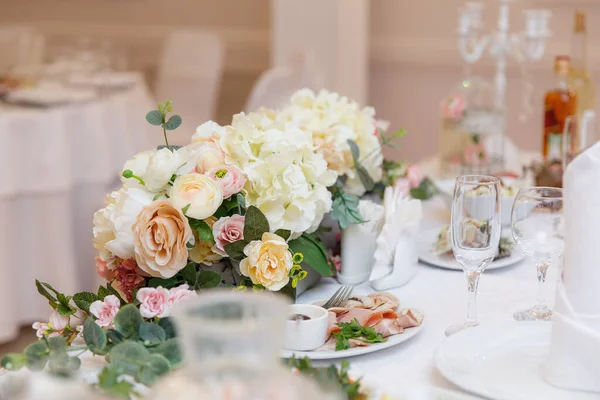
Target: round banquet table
{"points": [[441, 295], [56, 166]]}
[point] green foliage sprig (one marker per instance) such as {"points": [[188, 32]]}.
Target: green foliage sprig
{"points": [[158, 117], [354, 330]]}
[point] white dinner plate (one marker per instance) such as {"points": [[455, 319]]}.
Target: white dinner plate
{"points": [[502, 362], [357, 351], [426, 254]]}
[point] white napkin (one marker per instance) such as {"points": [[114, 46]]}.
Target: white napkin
{"points": [[574, 357], [358, 244], [396, 245]]}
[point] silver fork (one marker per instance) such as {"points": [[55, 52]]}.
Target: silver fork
{"points": [[339, 298]]}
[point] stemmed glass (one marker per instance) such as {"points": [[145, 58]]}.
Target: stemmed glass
{"points": [[475, 229], [537, 226]]}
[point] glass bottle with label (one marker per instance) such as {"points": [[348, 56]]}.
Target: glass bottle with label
{"points": [[579, 75], [559, 103]]}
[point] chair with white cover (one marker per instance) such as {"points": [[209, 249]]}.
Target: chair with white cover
{"points": [[276, 85], [189, 74], [20, 47]]}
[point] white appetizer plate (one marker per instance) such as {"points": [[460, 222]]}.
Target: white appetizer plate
{"points": [[393, 340], [502, 362], [426, 254]]}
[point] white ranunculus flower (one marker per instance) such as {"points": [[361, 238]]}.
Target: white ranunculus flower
{"points": [[208, 131], [113, 234], [201, 193], [138, 165], [161, 167]]}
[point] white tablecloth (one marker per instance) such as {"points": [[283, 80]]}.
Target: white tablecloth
{"points": [[442, 297], [56, 166]]}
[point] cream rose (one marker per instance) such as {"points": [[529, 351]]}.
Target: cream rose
{"points": [[202, 194], [161, 233], [268, 262]]}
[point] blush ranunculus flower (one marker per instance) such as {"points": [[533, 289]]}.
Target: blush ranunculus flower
{"points": [[154, 302], [414, 175], [268, 261], [227, 230], [230, 179], [202, 194], [105, 310], [206, 155], [178, 294], [161, 233]]}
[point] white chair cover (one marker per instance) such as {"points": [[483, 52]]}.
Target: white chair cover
{"points": [[190, 74], [20, 46], [275, 86]]}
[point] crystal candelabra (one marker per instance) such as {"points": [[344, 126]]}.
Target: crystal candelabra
{"points": [[525, 46]]}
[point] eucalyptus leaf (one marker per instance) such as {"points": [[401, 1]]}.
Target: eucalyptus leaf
{"points": [[365, 178], [128, 320], [173, 123], [36, 356], [208, 280], [94, 337], [154, 117], [151, 333], [345, 209], [74, 364], [284, 233], [159, 364], [84, 300], [235, 250], [255, 224], [13, 361], [241, 199], [171, 351], [114, 336], [168, 327], [129, 356], [57, 344], [354, 149]]}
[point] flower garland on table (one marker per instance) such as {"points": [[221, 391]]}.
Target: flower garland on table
{"points": [[240, 206]]}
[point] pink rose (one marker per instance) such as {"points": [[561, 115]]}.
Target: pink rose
{"points": [[41, 329], [414, 175], [403, 185], [103, 270], [337, 261], [154, 302], [227, 230], [58, 322], [229, 178], [178, 294], [106, 310]]}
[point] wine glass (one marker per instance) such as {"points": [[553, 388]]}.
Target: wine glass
{"points": [[475, 229], [537, 227]]}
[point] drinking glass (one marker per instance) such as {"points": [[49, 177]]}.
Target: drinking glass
{"points": [[537, 227], [579, 133], [475, 229]]}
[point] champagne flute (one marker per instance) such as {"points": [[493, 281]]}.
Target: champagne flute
{"points": [[537, 226], [475, 229]]}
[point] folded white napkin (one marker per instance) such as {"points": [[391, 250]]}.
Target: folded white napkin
{"points": [[358, 244], [574, 357], [396, 246]]}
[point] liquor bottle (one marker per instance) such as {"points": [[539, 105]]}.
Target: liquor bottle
{"points": [[579, 76], [560, 102]]}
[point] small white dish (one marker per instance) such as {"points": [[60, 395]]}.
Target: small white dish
{"points": [[502, 362], [309, 334], [426, 254]]}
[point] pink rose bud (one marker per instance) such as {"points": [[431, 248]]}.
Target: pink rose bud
{"points": [[178, 294], [227, 230], [403, 185], [414, 175], [154, 302], [229, 178], [58, 322], [106, 310]]}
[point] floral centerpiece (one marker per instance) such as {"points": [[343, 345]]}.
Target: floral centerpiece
{"points": [[240, 206]]}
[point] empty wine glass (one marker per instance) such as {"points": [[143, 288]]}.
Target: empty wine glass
{"points": [[475, 229], [537, 226]]}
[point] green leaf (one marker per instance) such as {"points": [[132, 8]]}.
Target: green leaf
{"points": [[400, 133], [168, 327], [127, 321], [208, 280], [57, 344], [129, 356], [241, 200], [113, 291], [154, 117], [221, 212], [364, 176], [58, 363], [36, 356], [314, 254], [235, 250], [166, 283], [65, 310], [13, 361], [114, 336], [152, 333], [189, 274], [74, 364], [184, 209], [170, 350], [173, 123], [84, 300], [255, 224], [284, 233], [94, 337], [102, 293], [159, 364], [424, 191], [204, 231], [41, 288], [354, 149], [345, 209]]}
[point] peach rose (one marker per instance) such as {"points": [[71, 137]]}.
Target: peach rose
{"points": [[161, 233], [202, 194], [268, 261], [202, 252]]}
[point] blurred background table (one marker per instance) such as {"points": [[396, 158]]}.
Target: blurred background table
{"points": [[56, 165]]}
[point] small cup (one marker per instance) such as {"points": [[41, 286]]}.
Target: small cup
{"points": [[306, 335]]}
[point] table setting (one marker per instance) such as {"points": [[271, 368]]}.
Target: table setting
{"points": [[203, 250]]}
